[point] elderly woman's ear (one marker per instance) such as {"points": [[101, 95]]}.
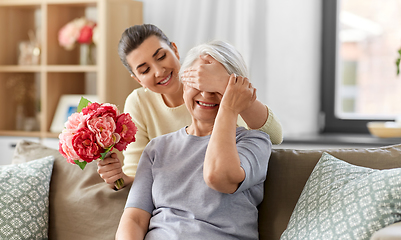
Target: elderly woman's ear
{"points": [[207, 59]]}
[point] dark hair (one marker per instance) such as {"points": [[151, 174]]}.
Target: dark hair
{"points": [[134, 36]]}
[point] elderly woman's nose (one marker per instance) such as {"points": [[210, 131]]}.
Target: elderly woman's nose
{"points": [[207, 94]]}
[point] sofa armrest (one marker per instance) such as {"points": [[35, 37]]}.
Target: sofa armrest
{"points": [[391, 232]]}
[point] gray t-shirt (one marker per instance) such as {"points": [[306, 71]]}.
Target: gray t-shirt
{"points": [[169, 185]]}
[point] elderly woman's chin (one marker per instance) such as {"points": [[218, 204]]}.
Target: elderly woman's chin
{"points": [[205, 118]]}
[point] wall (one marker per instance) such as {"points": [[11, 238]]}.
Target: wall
{"points": [[289, 63], [293, 63]]}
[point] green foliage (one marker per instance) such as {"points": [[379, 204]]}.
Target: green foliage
{"points": [[103, 155], [81, 164], [397, 62], [82, 104]]}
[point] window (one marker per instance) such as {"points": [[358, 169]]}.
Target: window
{"points": [[359, 75]]}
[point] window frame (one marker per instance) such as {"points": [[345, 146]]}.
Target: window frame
{"points": [[329, 70]]}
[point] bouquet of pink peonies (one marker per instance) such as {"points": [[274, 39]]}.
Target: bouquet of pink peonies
{"points": [[79, 30], [93, 131]]}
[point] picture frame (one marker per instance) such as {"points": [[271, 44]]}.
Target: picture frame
{"points": [[67, 105]]}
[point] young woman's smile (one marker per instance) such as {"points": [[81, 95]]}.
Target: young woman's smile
{"points": [[166, 81]]}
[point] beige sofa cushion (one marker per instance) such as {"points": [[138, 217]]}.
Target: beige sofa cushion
{"points": [[289, 170], [82, 206]]}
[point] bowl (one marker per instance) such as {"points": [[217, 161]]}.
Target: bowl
{"points": [[384, 129]]}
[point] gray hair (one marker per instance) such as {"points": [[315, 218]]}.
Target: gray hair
{"points": [[223, 52]]}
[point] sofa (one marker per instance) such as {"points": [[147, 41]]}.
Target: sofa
{"points": [[82, 206]]}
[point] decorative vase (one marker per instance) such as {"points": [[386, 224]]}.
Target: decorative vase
{"points": [[87, 54]]}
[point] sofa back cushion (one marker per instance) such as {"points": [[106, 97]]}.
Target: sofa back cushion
{"points": [[82, 206], [289, 170]]}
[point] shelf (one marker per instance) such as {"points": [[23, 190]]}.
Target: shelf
{"points": [[35, 2], [20, 68], [23, 3], [29, 134], [51, 135], [21, 133], [35, 90], [71, 68], [48, 68], [74, 2]]}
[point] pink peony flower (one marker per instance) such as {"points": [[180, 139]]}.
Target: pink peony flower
{"points": [[97, 110], [90, 109], [107, 109], [126, 128], [85, 146], [78, 30], [104, 128], [85, 35], [60, 149], [68, 35], [75, 121], [65, 146]]}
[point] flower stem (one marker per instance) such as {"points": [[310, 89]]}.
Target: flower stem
{"points": [[119, 183]]}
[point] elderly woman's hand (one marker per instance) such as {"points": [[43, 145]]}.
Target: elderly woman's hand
{"points": [[239, 94], [222, 170], [110, 170], [210, 76]]}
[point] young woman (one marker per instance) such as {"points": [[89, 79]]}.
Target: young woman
{"points": [[158, 107], [205, 180]]}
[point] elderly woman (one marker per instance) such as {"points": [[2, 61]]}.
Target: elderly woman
{"points": [[205, 180], [158, 107]]}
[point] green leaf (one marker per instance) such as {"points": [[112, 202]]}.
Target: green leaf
{"points": [[397, 62], [82, 104], [103, 155], [81, 164]]}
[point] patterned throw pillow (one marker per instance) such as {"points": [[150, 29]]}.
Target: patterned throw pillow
{"points": [[343, 201], [24, 199]]}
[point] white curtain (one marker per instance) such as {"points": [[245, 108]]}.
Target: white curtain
{"points": [[239, 22]]}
